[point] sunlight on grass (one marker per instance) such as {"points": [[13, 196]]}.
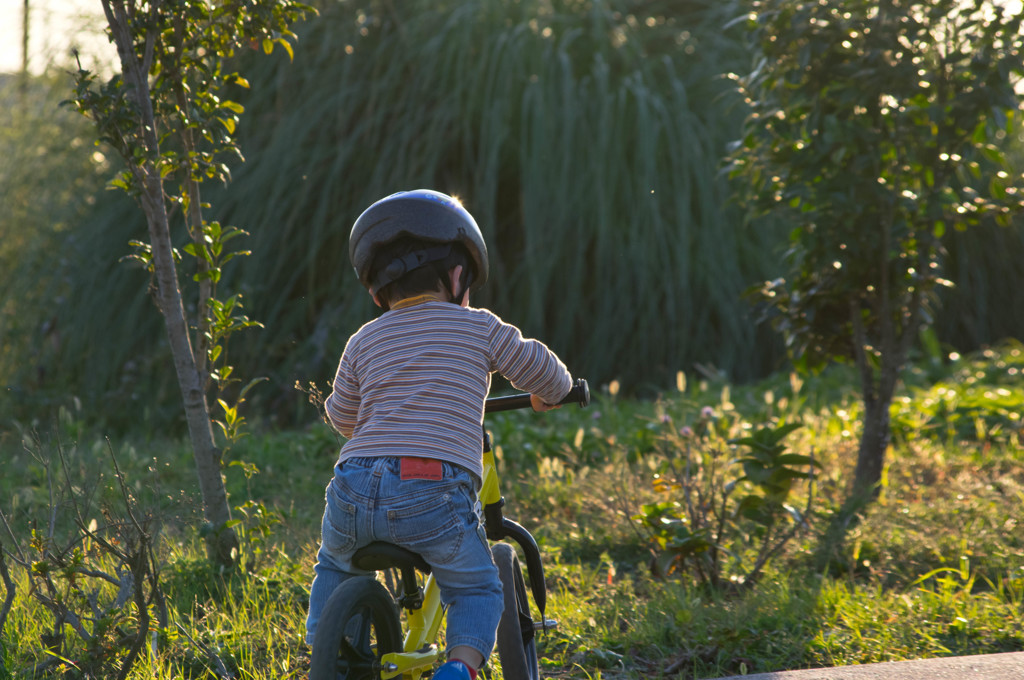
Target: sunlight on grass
{"points": [[933, 569]]}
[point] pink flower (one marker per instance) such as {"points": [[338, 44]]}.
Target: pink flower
{"points": [[686, 431], [707, 413]]}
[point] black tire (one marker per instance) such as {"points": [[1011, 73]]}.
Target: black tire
{"points": [[518, 658], [359, 624]]}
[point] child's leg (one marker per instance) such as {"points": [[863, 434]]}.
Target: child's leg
{"points": [[333, 565], [440, 521], [467, 655], [328, 577], [471, 589]]}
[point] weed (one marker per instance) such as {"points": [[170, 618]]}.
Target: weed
{"points": [[715, 511]]}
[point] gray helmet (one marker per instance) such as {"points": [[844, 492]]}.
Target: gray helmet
{"points": [[421, 214]]}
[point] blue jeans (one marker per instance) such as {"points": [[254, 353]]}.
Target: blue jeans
{"points": [[368, 501]]}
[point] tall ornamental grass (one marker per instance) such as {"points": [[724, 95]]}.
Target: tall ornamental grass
{"points": [[50, 174], [584, 137]]}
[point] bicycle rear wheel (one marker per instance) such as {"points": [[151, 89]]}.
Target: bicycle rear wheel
{"points": [[517, 652], [359, 624]]}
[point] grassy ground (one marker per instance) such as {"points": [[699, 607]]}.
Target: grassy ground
{"points": [[935, 568]]}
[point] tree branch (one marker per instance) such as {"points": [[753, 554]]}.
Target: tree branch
{"points": [[194, 212], [20, 558], [10, 590]]}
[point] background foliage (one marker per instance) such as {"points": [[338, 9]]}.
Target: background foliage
{"points": [[49, 180], [554, 121], [873, 128], [934, 569], [585, 137]]}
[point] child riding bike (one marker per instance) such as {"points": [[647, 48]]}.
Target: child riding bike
{"points": [[409, 396]]}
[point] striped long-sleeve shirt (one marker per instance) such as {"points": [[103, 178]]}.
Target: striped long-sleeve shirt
{"points": [[413, 382]]}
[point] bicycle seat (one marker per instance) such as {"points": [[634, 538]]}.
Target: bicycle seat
{"points": [[380, 555]]}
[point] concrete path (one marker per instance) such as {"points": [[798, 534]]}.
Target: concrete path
{"points": [[985, 667]]}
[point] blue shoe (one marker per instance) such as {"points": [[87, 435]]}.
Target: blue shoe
{"points": [[453, 670]]}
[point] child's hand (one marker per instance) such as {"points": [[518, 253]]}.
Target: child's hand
{"points": [[539, 404]]}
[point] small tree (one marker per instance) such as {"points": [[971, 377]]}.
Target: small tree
{"points": [[873, 128], [165, 114]]}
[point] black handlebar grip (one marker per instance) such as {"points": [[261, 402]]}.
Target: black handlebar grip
{"points": [[579, 394]]}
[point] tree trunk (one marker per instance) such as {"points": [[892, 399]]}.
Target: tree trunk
{"points": [[874, 442], [221, 541], [877, 389], [23, 76]]}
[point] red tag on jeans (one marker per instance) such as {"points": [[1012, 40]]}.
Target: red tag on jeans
{"points": [[421, 468]]}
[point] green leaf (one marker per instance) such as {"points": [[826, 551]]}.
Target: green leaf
{"points": [[796, 459], [997, 189], [288, 48], [252, 383]]}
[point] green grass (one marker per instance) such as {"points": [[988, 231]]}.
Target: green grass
{"points": [[933, 569]]}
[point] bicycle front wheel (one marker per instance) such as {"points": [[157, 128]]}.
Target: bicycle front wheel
{"points": [[516, 650], [359, 624]]}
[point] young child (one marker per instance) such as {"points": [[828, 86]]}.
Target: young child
{"points": [[409, 396]]}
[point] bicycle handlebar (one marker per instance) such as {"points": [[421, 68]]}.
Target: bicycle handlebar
{"points": [[579, 394]]}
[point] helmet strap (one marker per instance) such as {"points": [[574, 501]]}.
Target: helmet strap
{"points": [[401, 266]]}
